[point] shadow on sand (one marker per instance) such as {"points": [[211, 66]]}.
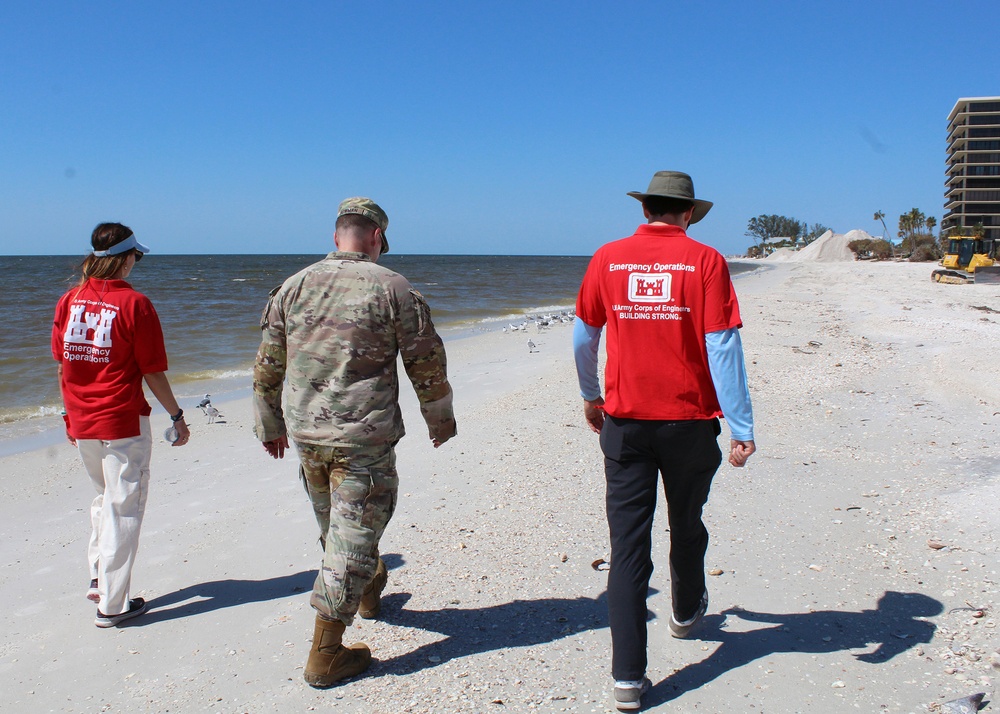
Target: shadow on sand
{"points": [[892, 627], [521, 623], [219, 594]]}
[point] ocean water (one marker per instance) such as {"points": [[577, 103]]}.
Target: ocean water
{"points": [[210, 305]]}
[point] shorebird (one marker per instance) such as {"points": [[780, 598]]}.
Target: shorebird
{"points": [[207, 401], [531, 347], [212, 413]]}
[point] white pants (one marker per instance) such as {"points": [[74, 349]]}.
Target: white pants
{"points": [[119, 470]]}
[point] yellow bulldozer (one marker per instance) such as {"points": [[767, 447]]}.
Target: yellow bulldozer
{"points": [[966, 255]]}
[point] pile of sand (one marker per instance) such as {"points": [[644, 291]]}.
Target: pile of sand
{"points": [[828, 248], [857, 234], [782, 254]]}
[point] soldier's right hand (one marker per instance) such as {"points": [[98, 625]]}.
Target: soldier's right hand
{"points": [[443, 432], [276, 447]]}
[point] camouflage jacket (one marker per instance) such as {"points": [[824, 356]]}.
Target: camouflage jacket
{"points": [[333, 331]]}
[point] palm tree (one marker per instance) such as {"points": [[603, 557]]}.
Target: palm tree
{"points": [[909, 224], [880, 216]]}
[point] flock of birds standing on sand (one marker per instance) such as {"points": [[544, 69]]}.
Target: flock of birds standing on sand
{"points": [[540, 322]]}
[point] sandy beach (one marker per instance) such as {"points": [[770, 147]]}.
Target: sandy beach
{"points": [[854, 560]]}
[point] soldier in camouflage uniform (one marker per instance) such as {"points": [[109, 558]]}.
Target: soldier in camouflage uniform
{"points": [[333, 332]]}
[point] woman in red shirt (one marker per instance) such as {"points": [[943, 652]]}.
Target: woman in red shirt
{"points": [[107, 340]]}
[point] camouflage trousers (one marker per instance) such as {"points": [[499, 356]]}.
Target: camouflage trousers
{"points": [[353, 492]]}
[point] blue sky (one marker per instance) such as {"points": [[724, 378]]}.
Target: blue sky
{"points": [[495, 127]]}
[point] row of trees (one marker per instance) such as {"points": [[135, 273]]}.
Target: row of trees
{"points": [[771, 232], [915, 234], [916, 237]]}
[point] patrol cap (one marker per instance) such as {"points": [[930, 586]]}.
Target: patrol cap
{"points": [[370, 210]]}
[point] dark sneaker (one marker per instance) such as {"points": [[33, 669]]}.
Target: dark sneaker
{"points": [[682, 628], [136, 607], [628, 694], [93, 594]]}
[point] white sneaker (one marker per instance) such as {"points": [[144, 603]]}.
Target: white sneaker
{"points": [[628, 693], [681, 629]]}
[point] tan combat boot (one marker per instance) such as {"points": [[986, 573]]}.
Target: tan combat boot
{"points": [[329, 661], [371, 600]]}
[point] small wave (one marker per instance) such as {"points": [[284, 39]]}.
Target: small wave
{"points": [[510, 317], [550, 308], [241, 280], [531, 311], [215, 374], [24, 413]]}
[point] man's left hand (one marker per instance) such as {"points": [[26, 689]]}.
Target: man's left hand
{"points": [[276, 447]]}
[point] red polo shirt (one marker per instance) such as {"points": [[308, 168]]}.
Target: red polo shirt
{"points": [[107, 336], [658, 292]]}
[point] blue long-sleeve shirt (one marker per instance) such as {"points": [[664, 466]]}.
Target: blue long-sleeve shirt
{"points": [[725, 362]]}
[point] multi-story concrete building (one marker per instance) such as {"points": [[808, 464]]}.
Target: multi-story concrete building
{"points": [[972, 187]]}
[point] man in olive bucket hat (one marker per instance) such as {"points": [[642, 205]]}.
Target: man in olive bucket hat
{"points": [[333, 331], [675, 364]]}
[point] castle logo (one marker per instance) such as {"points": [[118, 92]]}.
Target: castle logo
{"points": [[82, 323], [649, 287]]}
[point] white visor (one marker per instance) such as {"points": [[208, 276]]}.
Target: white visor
{"points": [[123, 247]]}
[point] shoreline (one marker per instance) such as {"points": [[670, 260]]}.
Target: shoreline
{"points": [[857, 552], [42, 427]]}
